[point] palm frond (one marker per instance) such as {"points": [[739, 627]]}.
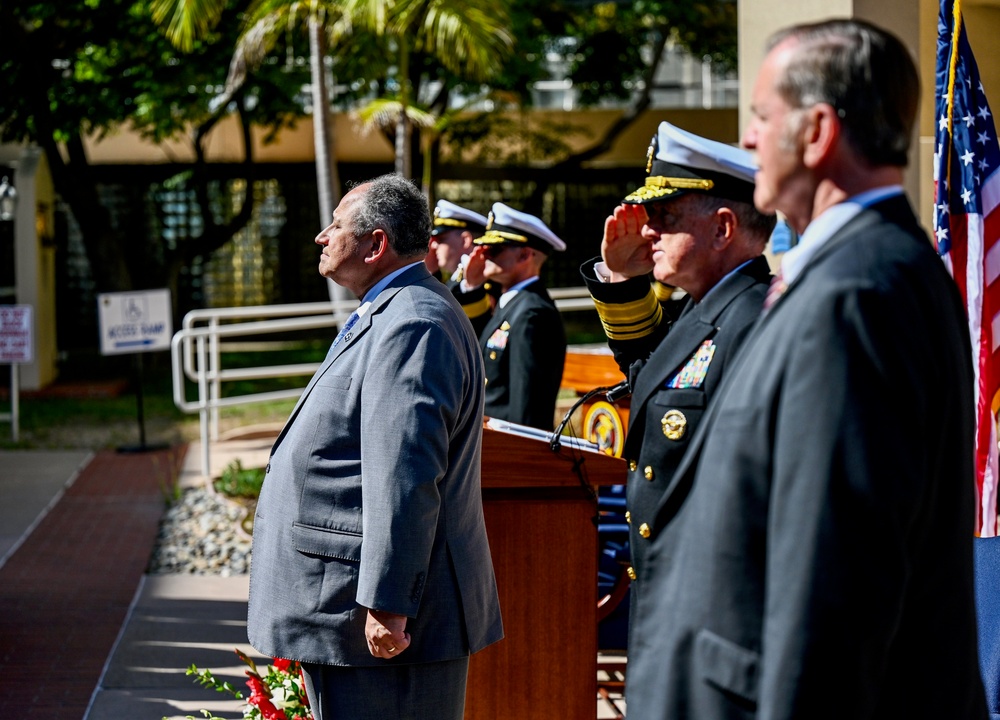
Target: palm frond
{"points": [[383, 113], [374, 15], [254, 45], [469, 37], [186, 20]]}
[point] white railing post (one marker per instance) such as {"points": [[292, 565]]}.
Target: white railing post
{"points": [[206, 468], [215, 364]]}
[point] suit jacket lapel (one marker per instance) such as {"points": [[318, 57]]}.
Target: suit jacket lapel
{"points": [[696, 324], [502, 313], [896, 209], [357, 332]]}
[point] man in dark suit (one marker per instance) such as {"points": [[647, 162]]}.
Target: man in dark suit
{"points": [[821, 521], [370, 559], [523, 340], [692, 225]]}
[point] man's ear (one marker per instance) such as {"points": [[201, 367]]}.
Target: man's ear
{"points": [[380, 246], [725, 228], [821, 134], [467, 240]]}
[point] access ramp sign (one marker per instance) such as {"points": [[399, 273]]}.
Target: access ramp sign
{"points": [[134, 322]]}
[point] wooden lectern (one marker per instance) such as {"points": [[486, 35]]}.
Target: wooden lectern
{"points": [[540, 515]]}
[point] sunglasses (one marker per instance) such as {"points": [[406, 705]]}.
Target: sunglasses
{"points": [[491, 251]]}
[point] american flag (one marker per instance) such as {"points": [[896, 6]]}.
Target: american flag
{"points": [[967, 229]]}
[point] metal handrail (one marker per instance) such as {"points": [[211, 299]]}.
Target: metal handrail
{"points": [[196, 352]]}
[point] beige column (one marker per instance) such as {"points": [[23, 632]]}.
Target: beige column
{"points": [[34, 260]]}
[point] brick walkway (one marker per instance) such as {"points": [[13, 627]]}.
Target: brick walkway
{"points": [[65, 592]]}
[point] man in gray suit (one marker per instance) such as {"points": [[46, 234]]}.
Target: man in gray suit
{"points": [[822, 518], [370, 559]]}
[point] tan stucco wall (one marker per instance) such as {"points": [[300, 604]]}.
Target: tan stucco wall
{"points": [[296, 144]]}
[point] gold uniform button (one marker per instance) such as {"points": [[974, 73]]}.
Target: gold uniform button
{"points": [[632, 465], [630, 572], [493, 355], [648, 472], [674, 424], [644, 530], [628, 517]]}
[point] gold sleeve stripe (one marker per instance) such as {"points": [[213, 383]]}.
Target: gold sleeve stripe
{"points": [[662, 292], [635, 333], [630, 320], [477, 308]]}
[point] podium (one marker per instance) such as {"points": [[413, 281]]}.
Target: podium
{"points": [[540, 510]]}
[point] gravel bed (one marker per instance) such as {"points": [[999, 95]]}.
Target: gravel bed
{"points": [[200, 534]]}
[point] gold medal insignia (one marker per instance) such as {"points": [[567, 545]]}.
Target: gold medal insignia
{"points": [[674, 424]]}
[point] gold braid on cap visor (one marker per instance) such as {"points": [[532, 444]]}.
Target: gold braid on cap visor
{"points": [[439, 221], [657, 186], [494, 237]]}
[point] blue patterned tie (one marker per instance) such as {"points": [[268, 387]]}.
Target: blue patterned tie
{"points": [[343, 331]]}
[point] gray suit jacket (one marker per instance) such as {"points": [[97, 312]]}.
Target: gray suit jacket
{"points": [[821, 521], [372, 496]]}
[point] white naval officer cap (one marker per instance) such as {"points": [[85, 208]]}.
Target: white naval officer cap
{"points": [[507, 226], [679, 162], [449, 216]]}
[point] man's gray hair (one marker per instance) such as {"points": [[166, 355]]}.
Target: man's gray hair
{"points": [[396, 206], [865, 73]]}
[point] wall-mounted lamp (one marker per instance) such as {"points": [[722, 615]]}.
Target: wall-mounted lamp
{"points": [[8, 200]]}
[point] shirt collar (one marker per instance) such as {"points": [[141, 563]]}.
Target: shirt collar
{"points": [[726, 277], [824, 227], [509, 295], [373, 292]]}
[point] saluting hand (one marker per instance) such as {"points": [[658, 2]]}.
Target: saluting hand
{"points": [[386, 634], [623, 249], [474, 276]]}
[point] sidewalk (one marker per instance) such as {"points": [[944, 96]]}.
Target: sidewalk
{"points": [[66, 586], [84, 633]]}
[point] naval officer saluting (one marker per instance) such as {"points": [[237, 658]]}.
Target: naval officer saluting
{"points": [[693, 225], [523, 343]]}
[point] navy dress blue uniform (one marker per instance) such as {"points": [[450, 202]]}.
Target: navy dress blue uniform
{"points": [[524, 351], [675, 367], [522, 339], [672, 385]]}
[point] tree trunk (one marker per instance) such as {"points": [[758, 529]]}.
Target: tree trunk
{"points": [[404, 165], [327, 177]]}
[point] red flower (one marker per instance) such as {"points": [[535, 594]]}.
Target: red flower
{"points": [[282, 664], [260, 698]]}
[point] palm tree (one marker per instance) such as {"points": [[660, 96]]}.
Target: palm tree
{"points": [[467, 37], [185, 20]]}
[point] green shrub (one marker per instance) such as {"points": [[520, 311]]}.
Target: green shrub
{"points": [[238, 481]]}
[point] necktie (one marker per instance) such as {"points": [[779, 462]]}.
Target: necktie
{"points": [[343, 331], [774, 290]]}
